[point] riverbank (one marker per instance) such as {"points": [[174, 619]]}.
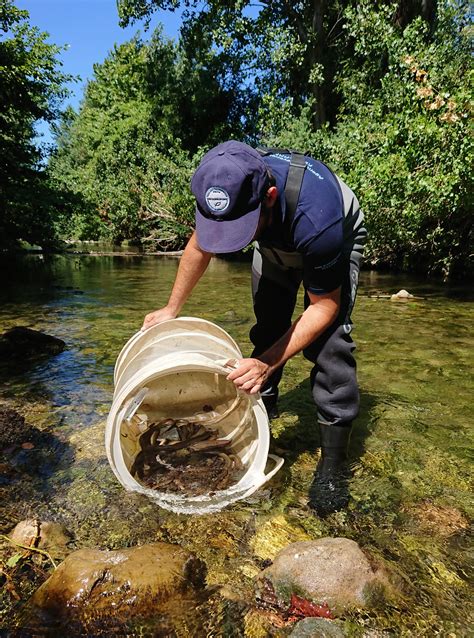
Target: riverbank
{"points": [[104, 249]]}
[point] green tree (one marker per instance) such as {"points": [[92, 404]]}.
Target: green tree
{"points": [[378, 89], [31, 89], [128, 152], [282, 53], [404, 137]]}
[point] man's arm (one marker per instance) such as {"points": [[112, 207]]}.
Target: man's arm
{"points": [[192, 265], [251, 374]]}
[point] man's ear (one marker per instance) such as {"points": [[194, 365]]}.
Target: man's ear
{"points": [[271, 196]]}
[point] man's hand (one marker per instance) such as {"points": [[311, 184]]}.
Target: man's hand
{"points": [[152, 318], [192, 265], [250, 375]]}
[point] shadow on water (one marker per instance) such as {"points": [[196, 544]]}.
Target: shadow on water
{"points": [[30, 455], [303, 435], [29, 459]]}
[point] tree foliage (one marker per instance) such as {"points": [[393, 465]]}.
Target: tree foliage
{"points": [[147, 110], [285, 51], [404, 137], [31, 89], [379, 89]]}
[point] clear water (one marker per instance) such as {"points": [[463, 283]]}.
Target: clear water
{"points": [[410, 504]]}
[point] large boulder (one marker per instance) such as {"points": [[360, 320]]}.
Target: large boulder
{"points": [[25, 342], [330, 570], [134, 581]]}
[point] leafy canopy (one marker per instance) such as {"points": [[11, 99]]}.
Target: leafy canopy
{"points": [[127, 152], [31, 89]]}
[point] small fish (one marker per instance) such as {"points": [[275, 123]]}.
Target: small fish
{"points": [[185, 456], [209, 445]]}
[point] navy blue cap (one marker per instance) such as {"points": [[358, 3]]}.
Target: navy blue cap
{"points": [[229, 186]]}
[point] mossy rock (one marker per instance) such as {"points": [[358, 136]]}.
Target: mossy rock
{"points": [[330, 570], [128, 582], [23, 341], [317, 628], [275, 534]]}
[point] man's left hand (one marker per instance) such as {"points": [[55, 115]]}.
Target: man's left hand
{"points": [[250, 375]]}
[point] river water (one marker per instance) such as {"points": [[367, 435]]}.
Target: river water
{"points": [[410, 505]]}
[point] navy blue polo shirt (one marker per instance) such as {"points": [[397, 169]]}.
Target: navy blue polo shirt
{"points": [[317, 229]]}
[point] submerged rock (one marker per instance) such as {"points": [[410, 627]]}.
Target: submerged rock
{"points": [[317, 628], [275, 534], [330, 570], [41, 534], [139, 580], [22, 341]]}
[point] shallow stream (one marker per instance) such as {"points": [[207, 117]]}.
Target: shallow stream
{"points": [[411, 488]]}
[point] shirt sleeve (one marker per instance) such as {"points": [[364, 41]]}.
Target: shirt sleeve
{"points": [[323, 261]]}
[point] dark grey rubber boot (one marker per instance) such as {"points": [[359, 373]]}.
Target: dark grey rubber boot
{"points": [[271, 405], [329, 490]]}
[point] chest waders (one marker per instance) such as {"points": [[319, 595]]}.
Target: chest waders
{"points": [[276, 277]]}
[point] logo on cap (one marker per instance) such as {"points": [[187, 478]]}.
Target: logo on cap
{"points": [[217, 199]]}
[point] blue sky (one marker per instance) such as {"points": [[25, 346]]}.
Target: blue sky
{"points": [[90, 29]]}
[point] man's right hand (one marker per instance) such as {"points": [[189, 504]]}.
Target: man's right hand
{"points": [[152, 318]]}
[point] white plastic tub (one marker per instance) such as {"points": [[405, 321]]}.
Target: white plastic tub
{"points": [[177, 370]]}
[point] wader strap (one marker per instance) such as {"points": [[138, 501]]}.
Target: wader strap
{"points": [[271, 150], [294, 180], [293, 184]]}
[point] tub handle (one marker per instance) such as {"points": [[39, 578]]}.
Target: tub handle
{"points": [[278, 463], [135, 403], [229, 362]]}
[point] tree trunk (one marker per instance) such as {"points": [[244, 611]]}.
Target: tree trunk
{"points": [[316, 56], [408, 10]]}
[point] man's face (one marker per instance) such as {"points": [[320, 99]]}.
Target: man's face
{"points": [[266, 212], [264, 222]]}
